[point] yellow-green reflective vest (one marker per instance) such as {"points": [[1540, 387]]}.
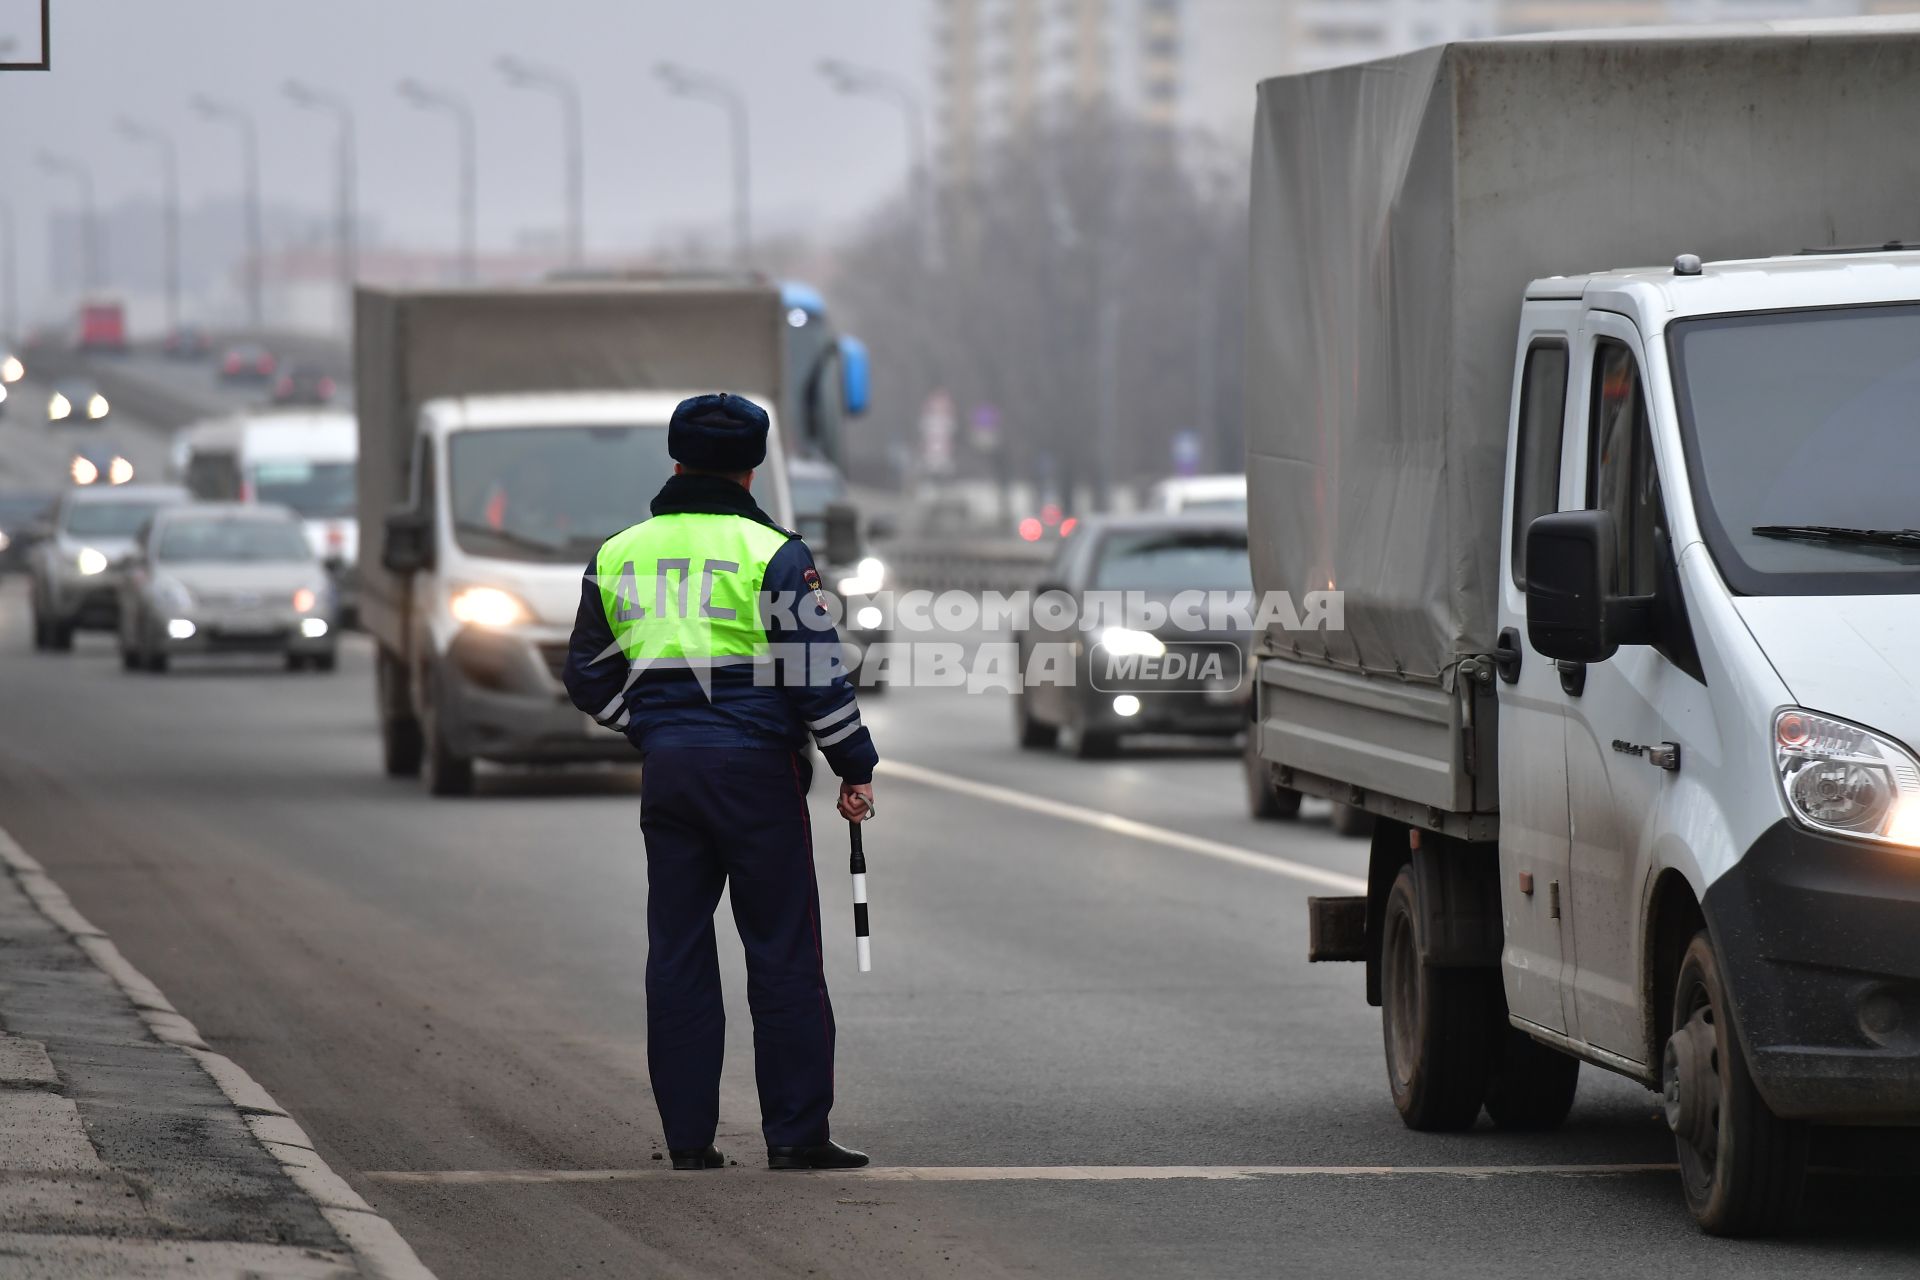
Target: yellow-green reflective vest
{"points": [[685, 588]]}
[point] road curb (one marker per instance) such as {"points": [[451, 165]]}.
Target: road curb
{"points": [[376, 1245]]}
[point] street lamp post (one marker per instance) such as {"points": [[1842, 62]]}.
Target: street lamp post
{"points": [[10, 298], [211, 109], [873, 83], [345, 249], [428, 99], [526, 75], [698, 85], [89, 228], [134, 131]]}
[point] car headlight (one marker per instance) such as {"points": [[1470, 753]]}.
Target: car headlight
{"points": [[3, 393], [119, 471], [1841, 778], [488, 607], [97, 406], [1128, 642], [867, 579], [11, 370], [90, 561], [5, 541], [83, 471], [59, 407]]}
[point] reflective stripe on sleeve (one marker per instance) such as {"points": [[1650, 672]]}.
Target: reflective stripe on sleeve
{"points": [[833, 718], [852, 727]]}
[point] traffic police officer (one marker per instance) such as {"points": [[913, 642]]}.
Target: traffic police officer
{"points": [[703, 636]]}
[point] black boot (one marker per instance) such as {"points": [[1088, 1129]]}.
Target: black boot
{"points": [[707, 1157], [828, 1155]]}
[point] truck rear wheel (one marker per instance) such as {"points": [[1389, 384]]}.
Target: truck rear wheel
{"points": [[1741, 1166], [1440, 1025], [1351, 820], [1265, 799], [1533, 1084], [400, 745], [1034, 736]]}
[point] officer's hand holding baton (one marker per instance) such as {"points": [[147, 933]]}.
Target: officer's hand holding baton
{"points": [[856, 806]]}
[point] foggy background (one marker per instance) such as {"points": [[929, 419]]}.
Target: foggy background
{"points": [[1054, 298]]}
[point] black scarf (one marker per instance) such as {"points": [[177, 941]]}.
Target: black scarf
{"points": [[708, 495]]}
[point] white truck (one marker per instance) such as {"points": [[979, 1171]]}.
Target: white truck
{"points": [[504, 434], [1627, 673]]}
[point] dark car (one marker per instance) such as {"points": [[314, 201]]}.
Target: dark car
{"points": [[1157, 639], [25, 517], [185, 342], [248, 362], [76, 402], [101, 462], [303, 384]]}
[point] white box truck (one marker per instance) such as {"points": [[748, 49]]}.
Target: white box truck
{"points": [[504, 433], [1627, 674]]}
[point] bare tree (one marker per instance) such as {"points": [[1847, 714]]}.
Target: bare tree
{"points": [[1092, 296]]}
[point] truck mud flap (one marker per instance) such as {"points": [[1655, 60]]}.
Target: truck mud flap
{"points": [[1337, 928]]}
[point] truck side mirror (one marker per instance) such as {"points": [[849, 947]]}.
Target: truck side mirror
{"points": [[843, 533], [408, 547], [1570, 616]]}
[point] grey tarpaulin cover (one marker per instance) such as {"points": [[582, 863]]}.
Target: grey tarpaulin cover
{"points": [[1400, 209]]}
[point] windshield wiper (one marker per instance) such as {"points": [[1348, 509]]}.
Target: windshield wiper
{"points": [[1897, 538]]}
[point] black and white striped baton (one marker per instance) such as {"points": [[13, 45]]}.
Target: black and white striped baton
{"points": [[857, 864]]}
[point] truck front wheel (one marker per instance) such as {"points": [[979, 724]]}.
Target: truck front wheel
{"points": [[444, 772], [1742, 1167], [400, 744], [1440, 1024]]}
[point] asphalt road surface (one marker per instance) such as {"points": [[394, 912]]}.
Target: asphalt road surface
{"points": [[1090, 1046]]}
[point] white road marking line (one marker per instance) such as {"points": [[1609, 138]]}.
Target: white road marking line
{"points": [[1037, 1173], [1270, 863]]}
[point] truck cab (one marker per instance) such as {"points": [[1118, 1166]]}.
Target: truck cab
{"points": [[1707, 715], [510, 497]]}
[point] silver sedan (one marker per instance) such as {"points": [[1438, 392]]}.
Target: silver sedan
{"points": [[215, 578]]}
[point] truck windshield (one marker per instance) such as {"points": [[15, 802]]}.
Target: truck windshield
{"points": [[1173, 560], [552, 494], [317, 490], [1795, 421]]}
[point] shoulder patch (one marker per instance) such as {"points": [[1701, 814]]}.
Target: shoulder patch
{"points": [[811, 576]]}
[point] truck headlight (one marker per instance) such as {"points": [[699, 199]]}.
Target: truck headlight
{"points": [[868, 577], [1841, 778], [90, 561], [487, 607], [1126, 642], [11, 370], [59, 407], [96, 406]]}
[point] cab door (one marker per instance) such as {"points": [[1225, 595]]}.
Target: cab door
{"points": [[1624, 741], [1534, 846]]}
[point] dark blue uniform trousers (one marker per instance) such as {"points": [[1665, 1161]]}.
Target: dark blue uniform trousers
{"points": [[718, 817]]}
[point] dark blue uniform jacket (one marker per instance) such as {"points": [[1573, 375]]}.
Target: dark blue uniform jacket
{"points": [[669, 708]]}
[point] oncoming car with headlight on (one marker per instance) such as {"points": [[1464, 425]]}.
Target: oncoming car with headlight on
{"points": [[77, 401], [218, 578], [74, 571], [99, 462]]}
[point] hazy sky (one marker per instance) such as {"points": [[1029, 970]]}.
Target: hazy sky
{"points": [[653, 161]]}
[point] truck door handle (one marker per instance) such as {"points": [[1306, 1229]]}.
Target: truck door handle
{"points": [[1573, 676], [1506, 655]]}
